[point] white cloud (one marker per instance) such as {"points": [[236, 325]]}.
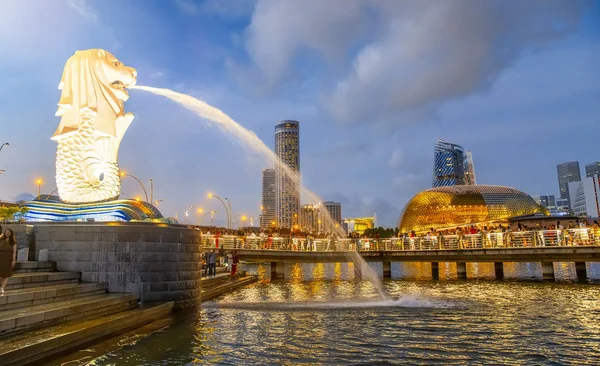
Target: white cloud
{"points": [[396, 158], [84, 9], [157, 75], [409, 57]]}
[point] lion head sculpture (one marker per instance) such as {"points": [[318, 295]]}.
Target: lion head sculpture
{"points": [[95, 79]]}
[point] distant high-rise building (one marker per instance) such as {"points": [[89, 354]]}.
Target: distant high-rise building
{"points": [[592, 169], [585, 197], [358, 224], [567, 172], [548, 202], [335, 212], [448, 164], [309, 218], [267, 216], [287, 189], [469, 169]]}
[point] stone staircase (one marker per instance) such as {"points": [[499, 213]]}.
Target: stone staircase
{"points": [[45, 312], [221, 284]]}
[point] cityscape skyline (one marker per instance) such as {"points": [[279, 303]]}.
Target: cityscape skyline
{"points": [[375, 165]]}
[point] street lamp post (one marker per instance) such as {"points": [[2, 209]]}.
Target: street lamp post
{"points": [[123, 174], [210, 195], [39, 182], [230, 214], [187, 214], [212, 213], [151, 190], [6, 143]]}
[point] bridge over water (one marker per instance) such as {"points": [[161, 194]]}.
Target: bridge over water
{"points": [[546, 247]]}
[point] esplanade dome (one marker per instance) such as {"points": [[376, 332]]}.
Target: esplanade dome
{"points": [[454, 206]]}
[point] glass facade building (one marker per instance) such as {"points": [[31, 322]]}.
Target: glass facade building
{"points": [[450, 207], [592, 169], [267, 216], [287, 189], [448, 164], [567, 172]]}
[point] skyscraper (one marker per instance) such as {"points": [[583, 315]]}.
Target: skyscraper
{"points": [[469, 169], [287, 189], [592, 169], [335, 212], [567, 172], [448, 164], [268, 214]]}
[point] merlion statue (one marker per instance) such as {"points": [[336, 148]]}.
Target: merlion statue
{"points": [[92, 125]]}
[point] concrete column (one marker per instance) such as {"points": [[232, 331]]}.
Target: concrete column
{"points": [[581, 271], [387, 270], [435, 270], [461, 270], [548, 271], [499, 270], [277, 270], [358, 271]]}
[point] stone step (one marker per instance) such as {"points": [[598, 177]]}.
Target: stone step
{"points": [[225, 287], [19, 298], [35, 266], [41, 345], [36, 279], [85, 307], [214, 281]]}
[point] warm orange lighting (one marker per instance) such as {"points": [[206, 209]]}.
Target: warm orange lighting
{"points": [[39, 181], [138, 199], [122, 174], [262, 208], [200, 210], [243, 218], [272, 222], [210, 195]]}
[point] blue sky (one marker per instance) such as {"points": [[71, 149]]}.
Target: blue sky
{"points": [[373, 84]]}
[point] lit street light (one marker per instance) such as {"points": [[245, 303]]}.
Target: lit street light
{"points": [[211, 195], [39, 182], [123, 174], [212, 215], [187, 213]]}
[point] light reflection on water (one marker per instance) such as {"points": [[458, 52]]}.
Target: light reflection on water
{"points": [[329, 320]]}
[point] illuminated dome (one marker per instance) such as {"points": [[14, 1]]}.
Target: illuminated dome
{"points": [[453, 206]]}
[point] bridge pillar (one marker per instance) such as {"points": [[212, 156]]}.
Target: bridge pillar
{"points": [[387, 270], [277, 270], [547, 271], [581, 271], [499, 270], [358, 271], [435, 270], [461, 270]]}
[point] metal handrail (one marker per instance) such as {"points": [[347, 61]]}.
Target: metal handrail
{"points": [[500, 240]]}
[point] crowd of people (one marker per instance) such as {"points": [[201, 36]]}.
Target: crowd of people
{"points": [[228, 260]]}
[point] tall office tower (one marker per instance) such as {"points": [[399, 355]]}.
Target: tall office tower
{"points": [[268, 215], [469, 169], [585, 200], [287, 189], [309, 218], [592, 169], [448, 164], [335, 212], [567, 172]]}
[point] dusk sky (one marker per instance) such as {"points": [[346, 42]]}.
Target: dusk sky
{"points": [[374, 84]]}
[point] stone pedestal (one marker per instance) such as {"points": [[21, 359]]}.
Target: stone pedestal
{"points": [[277, 270], [581, 271], [548, 271], [435, 270], [461, 270], [387, 270], [159, 263], [499, 270]]}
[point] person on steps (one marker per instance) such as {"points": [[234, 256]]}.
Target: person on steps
{"points": [[8, 256], [234, 262]]}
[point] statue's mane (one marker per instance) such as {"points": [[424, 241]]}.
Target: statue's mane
{"points": [[82, 88]]}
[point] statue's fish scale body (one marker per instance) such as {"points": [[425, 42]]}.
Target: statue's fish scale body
{"points": [[74, 156]]}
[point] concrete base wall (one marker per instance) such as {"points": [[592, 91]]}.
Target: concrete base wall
{"points": [[158, 263]]}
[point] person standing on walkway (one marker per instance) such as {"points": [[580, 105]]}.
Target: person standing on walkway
{"points": [[8, 257], [234, 262], [212, 263]]}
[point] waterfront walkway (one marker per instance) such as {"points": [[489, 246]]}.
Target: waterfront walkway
{"points": [[544, 246]]}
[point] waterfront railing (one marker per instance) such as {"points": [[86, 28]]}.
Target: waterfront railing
{"points": [[507, 239]]}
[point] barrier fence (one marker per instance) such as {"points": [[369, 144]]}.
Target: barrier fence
{"points": [[517, 239]]}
